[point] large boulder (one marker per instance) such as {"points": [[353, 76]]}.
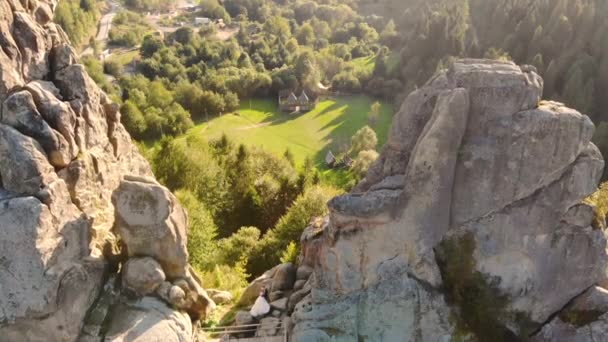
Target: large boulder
{"points": [[284, 278], [151, 222], [47, 283], [219, 297], [142, 275], [474, 201], [21, 113], [148, 319], [398, 309]]}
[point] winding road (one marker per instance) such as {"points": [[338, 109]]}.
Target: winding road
{"points": [[105, 24], [104, 27]]}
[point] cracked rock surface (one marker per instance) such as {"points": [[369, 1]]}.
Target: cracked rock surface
{"points": [[470, 225], [64, 155]]}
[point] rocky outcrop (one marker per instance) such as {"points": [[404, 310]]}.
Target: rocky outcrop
{"points": [[149, 319], [470, 224], [63, 155]]}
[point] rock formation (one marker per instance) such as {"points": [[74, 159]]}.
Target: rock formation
{"points": [[71, 186], [470, 226]]}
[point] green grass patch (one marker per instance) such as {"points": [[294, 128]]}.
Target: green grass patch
{"points": [[124, 58], [330, 125], [364, 65]]}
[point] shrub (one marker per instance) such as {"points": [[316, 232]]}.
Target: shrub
{"points": [[599, 199], [291, 254], [268, 252], [201, 233], [227, 278], [233, 250], [364, 160]]}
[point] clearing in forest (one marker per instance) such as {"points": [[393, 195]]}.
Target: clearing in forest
{"points": [[329, 126]]}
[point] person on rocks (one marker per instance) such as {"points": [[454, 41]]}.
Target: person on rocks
{"points": [[261, 307]]}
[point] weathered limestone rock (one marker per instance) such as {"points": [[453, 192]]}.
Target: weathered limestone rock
{"points": [[219, 297], [47, 283], [19, 111], [34, 44], [584, 319], [269, 327], [558, 331], [142, 275], [297, 297], [280, 304], [63, 153], [399, 309], [304, 272], [151, 223], [148, 319], [284, 278], [23, 164], [243, 318], [299, 284], [477, 193]]}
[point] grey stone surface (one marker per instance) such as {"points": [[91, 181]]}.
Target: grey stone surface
{"points": [[284, 278], [219, 296], [243, 318], [397, 309], [280, 304], [63, 153], [142, 275], [473, 155], [152, 223], [148, 319], [270, 326]]}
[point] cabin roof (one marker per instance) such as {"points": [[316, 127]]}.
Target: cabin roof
{"points": [[292, 98], [304, 97]]}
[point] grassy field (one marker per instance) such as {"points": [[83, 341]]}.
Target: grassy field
{"points": [[124, 57], [364, 65], [312, 134]]}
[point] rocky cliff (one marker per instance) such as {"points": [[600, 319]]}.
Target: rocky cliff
{"points": [[77, 201], [470, 226]]}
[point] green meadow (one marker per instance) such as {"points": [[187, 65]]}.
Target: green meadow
{"points": [[330, 125]]}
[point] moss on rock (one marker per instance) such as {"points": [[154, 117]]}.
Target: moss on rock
{"points": [[477, 296]]}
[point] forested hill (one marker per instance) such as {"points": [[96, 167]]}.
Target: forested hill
{"points": [[567, 40]]}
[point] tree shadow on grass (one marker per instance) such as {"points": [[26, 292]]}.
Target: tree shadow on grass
{"points": [[279, 117]]}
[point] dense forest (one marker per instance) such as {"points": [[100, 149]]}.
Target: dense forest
{"points": [[283, 47], [78, 18]]}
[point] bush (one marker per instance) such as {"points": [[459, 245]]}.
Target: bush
{"points": [[599, 200], [112, 68], [291, 254], [201, 233], [364, 160], [226, 278], [364, 140], [233, 250]]}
